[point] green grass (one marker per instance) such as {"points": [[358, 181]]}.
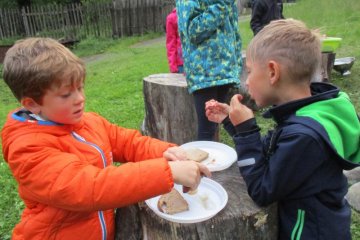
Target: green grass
{"points": [[115, 71]]}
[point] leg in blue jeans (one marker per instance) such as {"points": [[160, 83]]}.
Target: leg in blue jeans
{"points": [[207, 129]]}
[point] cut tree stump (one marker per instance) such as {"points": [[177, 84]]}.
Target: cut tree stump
{"points": [[171, 116], [327, 64], [170, 113], [240, 219]]}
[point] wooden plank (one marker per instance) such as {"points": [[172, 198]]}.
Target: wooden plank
{"points": [[126, 17], [67, 23], [19, 23], [26, 22], [43, 22], [120, 11], [33, 21], [6, 23], [53, 17], [140, 11], [2, 23], [114, 25]]}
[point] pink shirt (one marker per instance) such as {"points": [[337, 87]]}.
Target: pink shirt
{"points": [[173, 43]]}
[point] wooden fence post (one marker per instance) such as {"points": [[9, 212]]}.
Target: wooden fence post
{"points": [[116, 19], [26, 23]]}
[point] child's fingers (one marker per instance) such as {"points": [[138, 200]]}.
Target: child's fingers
{"points": [[171, 156], [175, 154], [204, 171], [236, 99], [185, 189]]}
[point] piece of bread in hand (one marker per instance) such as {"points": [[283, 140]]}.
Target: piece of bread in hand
{"points": [[172, 203], [196, 154]]}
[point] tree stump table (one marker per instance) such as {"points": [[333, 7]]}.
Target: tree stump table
{"points": [[171, 116], [240, 219]]}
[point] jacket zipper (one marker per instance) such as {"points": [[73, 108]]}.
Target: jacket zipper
{"points": [[100, 213]]}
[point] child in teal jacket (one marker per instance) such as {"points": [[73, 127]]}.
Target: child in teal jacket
{"points": [[212, 53]]}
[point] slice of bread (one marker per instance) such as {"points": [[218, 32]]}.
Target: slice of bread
{"points": [[172, 203], [196, 154]]}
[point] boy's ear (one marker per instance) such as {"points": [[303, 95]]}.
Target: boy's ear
{"points": [[31, 105], [274, 72]]}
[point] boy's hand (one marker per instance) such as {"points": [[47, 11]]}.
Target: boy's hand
{"points": [[239, 112], [188, 173], [215, 111], [175, 154]]}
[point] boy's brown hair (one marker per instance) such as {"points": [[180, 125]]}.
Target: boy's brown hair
{"points": [[292, 44], [34, 65]]}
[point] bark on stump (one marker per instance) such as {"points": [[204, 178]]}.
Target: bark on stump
{"points": [[240, 219], [327, 64], [170, 113]]}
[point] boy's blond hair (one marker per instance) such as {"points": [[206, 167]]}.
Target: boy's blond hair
{"points": [[34, 65], [292, 44]]}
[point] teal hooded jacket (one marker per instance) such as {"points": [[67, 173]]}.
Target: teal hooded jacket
{"points": [[211, 42]]}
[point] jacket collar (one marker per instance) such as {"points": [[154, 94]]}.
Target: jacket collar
{"points": [[319, 91], [23, 115]]}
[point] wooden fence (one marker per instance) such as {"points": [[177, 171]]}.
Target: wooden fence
{"points": [[78, 21]]}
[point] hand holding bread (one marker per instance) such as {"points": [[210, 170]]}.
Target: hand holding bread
{"points": [[238, 112], [188, 173], [175, 154]]}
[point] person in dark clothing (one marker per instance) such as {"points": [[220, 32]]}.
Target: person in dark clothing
{"points": [[300, 163], [264, 11]]}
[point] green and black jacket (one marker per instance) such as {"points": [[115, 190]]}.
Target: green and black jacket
{"points": [[300, 163]]}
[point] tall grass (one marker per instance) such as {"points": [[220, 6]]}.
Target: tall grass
{"points": [[115, 69]]}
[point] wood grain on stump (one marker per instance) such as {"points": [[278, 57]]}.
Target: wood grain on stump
{"points": [[240, 219], [170, 113]]}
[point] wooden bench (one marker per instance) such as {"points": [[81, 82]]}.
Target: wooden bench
{"points": [[69, 43], [3, 50]]}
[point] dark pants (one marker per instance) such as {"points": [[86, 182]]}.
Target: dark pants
{"points": [[207, 129]]}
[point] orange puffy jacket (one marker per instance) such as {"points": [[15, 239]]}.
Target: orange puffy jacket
{"points": [[66, 178]]}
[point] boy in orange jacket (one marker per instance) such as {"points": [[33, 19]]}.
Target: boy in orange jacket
{"points": [[62, 157]]}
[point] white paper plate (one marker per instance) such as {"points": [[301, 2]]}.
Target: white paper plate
{"points": [[221, 156], [209, 199]]}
